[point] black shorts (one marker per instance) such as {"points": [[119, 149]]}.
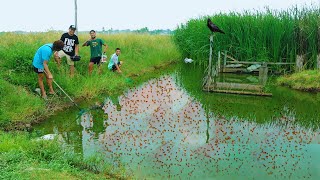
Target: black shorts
{"points": [[96, 60], [114, 66], [38, 70]]}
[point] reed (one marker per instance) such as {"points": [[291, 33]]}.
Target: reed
{"points": [[269, 35]]}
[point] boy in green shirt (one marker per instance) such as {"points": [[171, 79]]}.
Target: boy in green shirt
{"points": [[96, 50]]}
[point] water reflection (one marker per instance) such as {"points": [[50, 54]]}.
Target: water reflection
{"points": [[159, 131]]}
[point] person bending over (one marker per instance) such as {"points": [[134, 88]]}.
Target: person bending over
{"points": [[40, 64]]}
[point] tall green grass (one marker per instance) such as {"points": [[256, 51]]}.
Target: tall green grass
{"points": [[141, 53], [24, 157], [305, 80], [270, 35]]}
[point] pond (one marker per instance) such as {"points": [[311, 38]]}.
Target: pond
{"points": [[167, 128]]}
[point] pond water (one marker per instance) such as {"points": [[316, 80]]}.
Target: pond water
{"points": [[167, 128]]}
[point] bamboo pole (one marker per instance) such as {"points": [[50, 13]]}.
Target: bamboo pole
{"points": [[224, 60], [219, 63], [76, 16], [210, 55]]}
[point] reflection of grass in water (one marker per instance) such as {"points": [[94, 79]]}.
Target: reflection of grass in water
{"points": [[278, 150], [161, 130], [259, 109], [23, 157]]}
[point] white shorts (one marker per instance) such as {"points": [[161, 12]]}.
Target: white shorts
{"points": [[62, 54]]}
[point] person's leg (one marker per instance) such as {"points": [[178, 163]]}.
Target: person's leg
{"points": [[98, 63], [71, 65], [49, 82], [90, 67], [99, 68], [40, 82]]}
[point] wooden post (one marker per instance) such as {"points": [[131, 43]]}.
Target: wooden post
{"points": [[318, 61], [76, 16], [263, 74], [219, 63], [210, 55], [299, 63], [224, 61], [209, 79]]}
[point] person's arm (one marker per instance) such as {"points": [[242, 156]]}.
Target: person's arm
{"points": [[57, 58], [46, 69], [118, 68], [106, 48], [87, 43], [115, 61], [77, 49], [105, 45]]}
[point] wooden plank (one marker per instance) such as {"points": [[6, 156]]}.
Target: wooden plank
{"points": [[268, 63], [242, 86], [280, 63], [238, 92], [231, 70], [232, 58]]}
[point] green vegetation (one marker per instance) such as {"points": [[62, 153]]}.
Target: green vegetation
{"points": [[272, 36], [23, 157], [16, 99], [141, 53], [305, 80]]}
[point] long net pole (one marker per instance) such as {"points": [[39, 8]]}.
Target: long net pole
{"points": [[76, 15]]}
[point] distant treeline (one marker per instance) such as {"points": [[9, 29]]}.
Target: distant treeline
{"points": [[269, 35], [114, 31]]}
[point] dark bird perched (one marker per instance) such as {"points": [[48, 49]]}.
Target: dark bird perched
{"points": [[213, 27]]}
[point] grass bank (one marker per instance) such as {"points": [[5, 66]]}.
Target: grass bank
{"points": [[141, 53], [306, 81], [23, 157], [267, 35]]}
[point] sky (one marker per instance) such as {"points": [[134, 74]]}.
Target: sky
{"points": [[44, 15]]}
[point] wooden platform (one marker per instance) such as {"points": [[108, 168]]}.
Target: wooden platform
{"points": [[237, 92], [237, 88], [237, 70]]}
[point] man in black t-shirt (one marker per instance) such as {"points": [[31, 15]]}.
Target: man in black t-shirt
{"points": [[71, 48]]}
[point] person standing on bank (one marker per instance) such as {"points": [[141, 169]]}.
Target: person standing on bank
{"points": [[71, 48], [40, 64], [95, 49]]}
